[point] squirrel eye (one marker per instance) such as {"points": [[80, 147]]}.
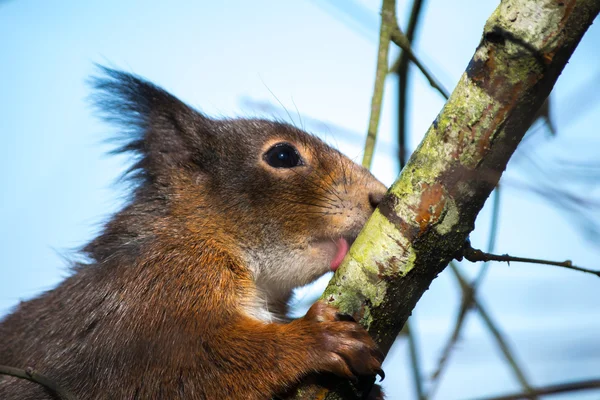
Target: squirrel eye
{"points": [[283, 155]]}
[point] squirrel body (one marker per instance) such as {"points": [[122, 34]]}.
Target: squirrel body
{"points": [[186, 289]]}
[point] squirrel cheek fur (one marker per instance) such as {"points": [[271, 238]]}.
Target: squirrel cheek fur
{"points": [[185, 293]]}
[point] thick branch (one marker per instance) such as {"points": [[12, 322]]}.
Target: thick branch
{"points": [[430, 210]]}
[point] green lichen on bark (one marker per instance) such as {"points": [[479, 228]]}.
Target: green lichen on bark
{"points": [[430, 210]]}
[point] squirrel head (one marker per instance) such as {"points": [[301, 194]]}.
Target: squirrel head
{"points": [[274, 197]]}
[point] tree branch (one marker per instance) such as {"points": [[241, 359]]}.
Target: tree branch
{"points": [[475, 255], [402, 41], [415, 362], [430, 210], [465, 305], [553, 389], [31, 375], [402, 72], [388, 19], [495, 331], [491, 245]]}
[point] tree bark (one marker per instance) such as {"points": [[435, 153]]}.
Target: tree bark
{"points": [[430, 210]]}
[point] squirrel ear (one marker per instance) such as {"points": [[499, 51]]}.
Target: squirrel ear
{"points": [[159, 129]]}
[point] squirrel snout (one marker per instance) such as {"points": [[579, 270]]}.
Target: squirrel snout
{"points": [[375, 198], [375, 192]]}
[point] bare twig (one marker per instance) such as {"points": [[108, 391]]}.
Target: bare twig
{"points": [[415, 361], [388, 20], [31, 375], [544, 115], [401, 41], [403, 81], [467, 301], [465, 305], [492, 238], [553, 389], [493, 328], [475, 255]]}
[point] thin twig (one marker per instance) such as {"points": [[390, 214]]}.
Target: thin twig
{"points": [[415, 361], [402, 41], [493, 236], [568, 387], [465, 306], [475, 255], [492, 327], [467, 298], [31, 375], [388, 20], [403, 81]]}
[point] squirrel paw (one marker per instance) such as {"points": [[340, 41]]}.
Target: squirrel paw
{"points": [[345, 347]]}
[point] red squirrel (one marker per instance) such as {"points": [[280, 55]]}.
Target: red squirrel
{"points": [[185, 292]]}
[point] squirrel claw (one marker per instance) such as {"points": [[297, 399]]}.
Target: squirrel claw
{"points": [[381, 374], [343, 346]]}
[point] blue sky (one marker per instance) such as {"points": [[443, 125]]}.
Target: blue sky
{"points": [[58, 184]]}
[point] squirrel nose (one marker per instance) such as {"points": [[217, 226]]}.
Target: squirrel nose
{"points": [[375, 198]]}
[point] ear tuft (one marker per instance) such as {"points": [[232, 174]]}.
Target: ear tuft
{"points": [[157, 128]]}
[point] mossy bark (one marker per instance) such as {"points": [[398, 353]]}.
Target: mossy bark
{"points": [[430, 210]]}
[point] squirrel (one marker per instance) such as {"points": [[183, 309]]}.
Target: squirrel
{"points": [[185, 292]]}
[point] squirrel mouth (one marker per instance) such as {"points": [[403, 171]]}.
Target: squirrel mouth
{"points": [[342, 246], [335, 249]]}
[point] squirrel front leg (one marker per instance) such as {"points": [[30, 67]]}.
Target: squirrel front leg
{"points": [[272, 358]]}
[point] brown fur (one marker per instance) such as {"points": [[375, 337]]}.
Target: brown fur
{"points": [[186, 289]]}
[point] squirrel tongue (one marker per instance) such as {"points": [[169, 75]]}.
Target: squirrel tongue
{"points": [[342, 249]]}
